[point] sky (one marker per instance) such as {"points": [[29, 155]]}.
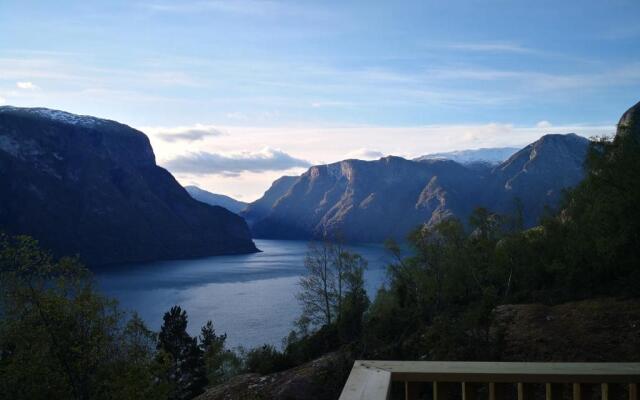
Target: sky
{"points": [[234, 94]]}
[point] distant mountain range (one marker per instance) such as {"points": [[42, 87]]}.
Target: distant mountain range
{"points": [[494, 155], [89, 186], [213, 199], [370, 201]]}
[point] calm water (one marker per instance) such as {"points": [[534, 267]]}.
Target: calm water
{"points": [[250, 297]]}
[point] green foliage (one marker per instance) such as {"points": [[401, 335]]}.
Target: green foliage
{"points": [[186, 374], [439, 301], [60, 339], [220, 363], [265, 360], [332, 287], [300, 349], [355, 302]]}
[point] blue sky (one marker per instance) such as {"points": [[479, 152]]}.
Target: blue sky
{"points": [[269, 87]]}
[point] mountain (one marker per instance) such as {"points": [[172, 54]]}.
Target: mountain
{"points": [[90, 186], [214, 199], [260, 208], [538, 174], [485, 155], [367, 200], [370, 201]]}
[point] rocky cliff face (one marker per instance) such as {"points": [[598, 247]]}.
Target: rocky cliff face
{"points": [[629, 124], [376, 200], [260, 208], [369, 200], [538, 174], [89, 186]]}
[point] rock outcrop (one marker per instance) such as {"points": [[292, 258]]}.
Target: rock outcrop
{"points": [[320, 379], [629, 124]]}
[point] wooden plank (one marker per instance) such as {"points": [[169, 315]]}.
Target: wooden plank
{"points": [[633, 391], [604, 390], [525, 391], [428, 371], [498, 391], [366, 383], [467, 391], [577, 391]]}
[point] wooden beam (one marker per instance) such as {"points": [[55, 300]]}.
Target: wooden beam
{"points": [[497, 391], [525, 391], [577, 391], [467, 391], [604, 390], [366, 383], [633, 391], [509, 372]]}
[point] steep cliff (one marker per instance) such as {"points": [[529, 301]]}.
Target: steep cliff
{"points": [[89, 186]]}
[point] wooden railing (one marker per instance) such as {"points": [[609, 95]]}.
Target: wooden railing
{"points": [[411, 380]]}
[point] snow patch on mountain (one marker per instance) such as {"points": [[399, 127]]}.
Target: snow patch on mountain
{"points": [[485, 155]]}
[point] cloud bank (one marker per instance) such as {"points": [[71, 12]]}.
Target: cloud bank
{"points": [[205, 163], [184, 133]]}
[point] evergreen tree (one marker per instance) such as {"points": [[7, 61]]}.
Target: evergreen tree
{"points": [[220, 363], [187, 371]]}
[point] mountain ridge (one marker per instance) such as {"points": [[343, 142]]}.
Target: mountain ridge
{"points": [[386, 198], [490, 155], [89, 186], [215, 199]]}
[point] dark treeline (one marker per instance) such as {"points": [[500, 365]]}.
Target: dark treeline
{"points": [[59, 338]]}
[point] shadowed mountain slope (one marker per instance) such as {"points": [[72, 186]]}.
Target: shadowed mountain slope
{"points": [[89, 186], [214, 199]]}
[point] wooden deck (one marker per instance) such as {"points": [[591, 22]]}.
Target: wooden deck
{"points": [[372, 380]]}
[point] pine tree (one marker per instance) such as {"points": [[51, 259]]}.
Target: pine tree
{"points": [[187, 371]]}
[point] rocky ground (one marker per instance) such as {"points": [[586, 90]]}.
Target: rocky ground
{"points": [[319, 379], [589, 330]]}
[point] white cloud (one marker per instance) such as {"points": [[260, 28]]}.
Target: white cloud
{"points": [[191, 133], [544, 125], [204, 163], [3, 100], [26, 85], [364, 154]]}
